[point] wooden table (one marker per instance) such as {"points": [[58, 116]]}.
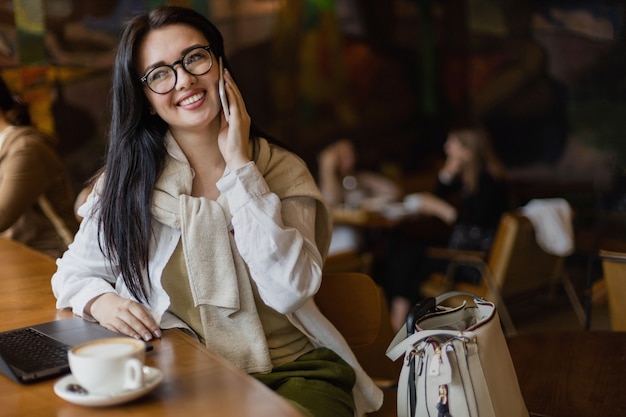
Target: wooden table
{"points": [[197, 382], [572, 374]]}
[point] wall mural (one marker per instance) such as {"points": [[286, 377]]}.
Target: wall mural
{"points": [[57, 55]]}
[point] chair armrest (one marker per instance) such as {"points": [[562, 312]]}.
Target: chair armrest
{"points": [[612, 255], [386, 383]]}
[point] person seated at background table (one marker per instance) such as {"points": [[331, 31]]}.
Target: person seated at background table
{"points": [[342, 184], [36, 196], [471, 195], [473, 181], [199, 222]]}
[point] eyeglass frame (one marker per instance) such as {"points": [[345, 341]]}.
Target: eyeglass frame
{"points": [[144, 79]]}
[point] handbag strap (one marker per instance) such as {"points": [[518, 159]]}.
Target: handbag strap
{"points": [[394, 351], [447, 295], [406, 393], [403, 333]]}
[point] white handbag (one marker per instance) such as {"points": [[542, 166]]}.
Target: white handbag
{"points": [[456, 362]]}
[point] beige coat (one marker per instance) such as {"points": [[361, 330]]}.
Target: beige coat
{"points": [[36, 197]]}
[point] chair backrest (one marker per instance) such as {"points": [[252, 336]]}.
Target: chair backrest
{"points": [[357, 307], [517, 263], [516, 267], [351, 301], [614, 270]]}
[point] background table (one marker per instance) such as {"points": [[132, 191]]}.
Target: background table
{"points": [[197, 382], [572, 374]]}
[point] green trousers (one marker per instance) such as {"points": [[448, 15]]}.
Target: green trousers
{"points": [[318, 383]]}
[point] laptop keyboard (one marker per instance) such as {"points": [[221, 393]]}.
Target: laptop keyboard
{"points": [[31, 351]]}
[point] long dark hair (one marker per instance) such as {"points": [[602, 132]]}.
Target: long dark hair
{"points": [[136, 148], [12, 106]]}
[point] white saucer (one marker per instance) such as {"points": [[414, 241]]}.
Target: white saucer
{"points": [[152, 378], [394, 211]]}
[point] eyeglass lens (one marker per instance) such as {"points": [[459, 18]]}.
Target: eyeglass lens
{"points": [[163, 79]]}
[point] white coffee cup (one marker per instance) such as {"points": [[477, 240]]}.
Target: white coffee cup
{"points": [[413, 202], [108, 366]]}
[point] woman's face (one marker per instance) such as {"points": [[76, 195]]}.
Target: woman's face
{"points": [[347, 157], [454, 149], [194, 102]]}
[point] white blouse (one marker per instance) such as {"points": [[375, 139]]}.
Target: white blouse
{"points": [[276, 239]]}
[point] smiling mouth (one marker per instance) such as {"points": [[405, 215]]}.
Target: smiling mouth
{"points": [[192, 99]]}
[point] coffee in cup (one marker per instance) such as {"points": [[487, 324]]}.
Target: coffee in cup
{"points": [[108, 366]]}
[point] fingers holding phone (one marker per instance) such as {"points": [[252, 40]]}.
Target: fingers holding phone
{"points": [[234, 136]]}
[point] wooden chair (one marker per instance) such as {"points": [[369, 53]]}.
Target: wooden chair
{"points": [[358, 308], [515, 266], [614, 270]]}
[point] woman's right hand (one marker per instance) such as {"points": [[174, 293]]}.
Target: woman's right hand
{"points": [[234, 134], [452, 167], [124, 316]]}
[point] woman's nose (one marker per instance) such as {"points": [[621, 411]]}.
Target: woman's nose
{"points": [[183, 78]]}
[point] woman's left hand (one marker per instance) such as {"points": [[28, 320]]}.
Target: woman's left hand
{"points": [[234, 134]]}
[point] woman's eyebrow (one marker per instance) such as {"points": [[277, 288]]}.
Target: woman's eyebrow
{"points": [[153, 66], [189, 48], [182, 54]]}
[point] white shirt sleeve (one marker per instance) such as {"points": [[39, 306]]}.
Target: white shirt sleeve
{"points": [[275, 238], [83, 272]]}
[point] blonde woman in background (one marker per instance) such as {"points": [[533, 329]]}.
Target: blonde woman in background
{"points": [[472, 181], [471, 191]]}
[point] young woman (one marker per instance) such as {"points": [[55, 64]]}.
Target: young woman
{"points": [[36, 197], [200, 223], [473, 181]]}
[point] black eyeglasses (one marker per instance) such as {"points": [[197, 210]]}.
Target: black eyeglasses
{"points": [[162, 79]]}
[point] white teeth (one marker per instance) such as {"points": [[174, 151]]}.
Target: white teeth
{"points": [[192, 99]]}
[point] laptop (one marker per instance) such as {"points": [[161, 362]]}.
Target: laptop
{"points": [[38, 352]]}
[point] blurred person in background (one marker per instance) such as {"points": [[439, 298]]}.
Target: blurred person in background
{"points": [[472, 180], [343, 185], [36, 196]]}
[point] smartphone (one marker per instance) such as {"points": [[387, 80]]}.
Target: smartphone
{"points": [[222, 91]]}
